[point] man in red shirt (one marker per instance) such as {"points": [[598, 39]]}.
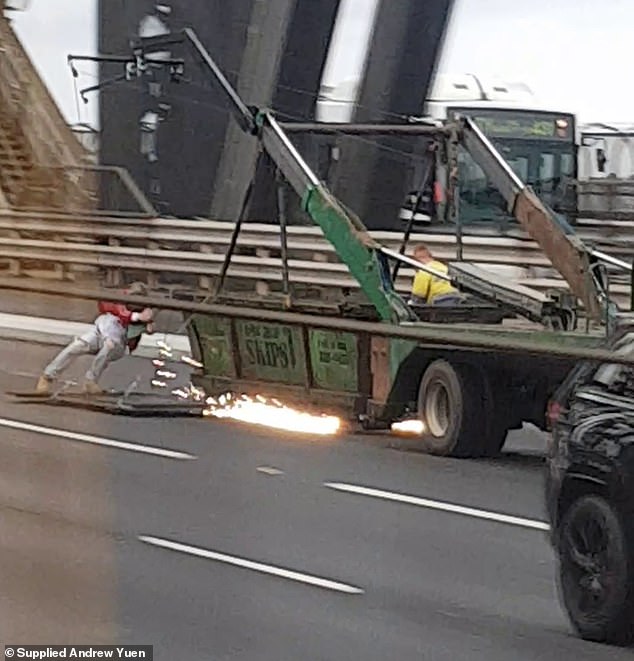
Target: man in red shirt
{"points": [[117, 328]]}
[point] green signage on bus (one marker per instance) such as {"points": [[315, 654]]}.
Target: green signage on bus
{"points": [[520, 124]]}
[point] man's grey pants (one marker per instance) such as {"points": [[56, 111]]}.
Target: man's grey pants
{"points": [[106, 339]]}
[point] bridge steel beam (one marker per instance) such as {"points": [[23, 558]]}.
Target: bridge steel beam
{"points": [[405, 48], [281, 68]]}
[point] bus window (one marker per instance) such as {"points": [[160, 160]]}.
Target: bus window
{"points": [[547, 172], [567, 166], [519, 165], [479, 201], [546, 178]]}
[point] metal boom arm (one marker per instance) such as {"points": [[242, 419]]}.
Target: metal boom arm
{"points": [[566, 252], [356, 248], [367, 260]]}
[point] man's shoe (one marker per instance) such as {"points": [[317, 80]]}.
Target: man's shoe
{"points": [[92, 388], [43, 386]]}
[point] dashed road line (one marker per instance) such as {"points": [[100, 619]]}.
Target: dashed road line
{"points": [[96, 440], [280, 572], [269, 470], [439, 505]]}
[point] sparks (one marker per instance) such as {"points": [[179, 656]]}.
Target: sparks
{"points": [[271, 413], [197, 393], [166, 375], [179, 392], [190, 361], [414, 427]]}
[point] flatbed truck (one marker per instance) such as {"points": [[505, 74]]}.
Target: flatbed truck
{"points": [[467, 398]]}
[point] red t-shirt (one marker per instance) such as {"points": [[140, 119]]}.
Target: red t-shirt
{"points": [[119, 310], [124, 315]]}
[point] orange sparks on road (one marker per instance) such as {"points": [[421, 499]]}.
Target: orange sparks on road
{"points": [[413, 427], [260, 410]]}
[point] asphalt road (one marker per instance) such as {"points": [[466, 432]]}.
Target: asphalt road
{"points": [[219, 541]]}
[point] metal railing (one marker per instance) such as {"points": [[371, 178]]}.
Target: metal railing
{"points": [[165, 250], [126, 225], [609, 199]]}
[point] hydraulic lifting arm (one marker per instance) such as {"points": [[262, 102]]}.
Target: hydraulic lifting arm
{"points": [[567, 253], [355, 247], [362, 255], [367, 260]]}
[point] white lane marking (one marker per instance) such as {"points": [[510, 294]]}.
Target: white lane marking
{"points": [[439, 505], [269, 470], [251, 564], [96, 440]]}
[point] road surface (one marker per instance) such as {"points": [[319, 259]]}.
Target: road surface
{"points": [[213, 540]]}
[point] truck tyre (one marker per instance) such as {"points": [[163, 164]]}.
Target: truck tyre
{"points": [[450, 404], [596, 571]]}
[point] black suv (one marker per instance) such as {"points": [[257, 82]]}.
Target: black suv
{"points": [[590, 494]]}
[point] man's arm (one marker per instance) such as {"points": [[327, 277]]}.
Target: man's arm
{"points": [[135, 332], [421, 284], [124, 315]]}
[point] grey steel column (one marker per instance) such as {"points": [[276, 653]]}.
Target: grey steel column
{"points": [[404, 51], [257, 83], [295, 98], [119, 105]]}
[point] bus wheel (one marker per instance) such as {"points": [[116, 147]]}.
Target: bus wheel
{"points": [[450, 404]]}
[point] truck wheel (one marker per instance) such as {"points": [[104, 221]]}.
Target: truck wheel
{"points": [[596, 571], [450, 405]]}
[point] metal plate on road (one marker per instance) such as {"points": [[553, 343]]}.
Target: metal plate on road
{"points": [[136, 404], [33, 394], [29, 395]]}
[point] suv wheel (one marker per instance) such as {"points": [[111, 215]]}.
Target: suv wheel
{"points": [[597, 571]]}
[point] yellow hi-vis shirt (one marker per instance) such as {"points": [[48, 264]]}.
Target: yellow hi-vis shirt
{"points": [[428, 286]]}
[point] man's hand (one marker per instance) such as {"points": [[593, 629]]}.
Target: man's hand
{"points": [[146, 316], [149, 328]]}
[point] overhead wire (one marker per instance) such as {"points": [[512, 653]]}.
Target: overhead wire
{"points": [[405, 155], [209, 87]]}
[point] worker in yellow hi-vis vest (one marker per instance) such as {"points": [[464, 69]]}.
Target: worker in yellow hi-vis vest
{"points": [[428, 289]]}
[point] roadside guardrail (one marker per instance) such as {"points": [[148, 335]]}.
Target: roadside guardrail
{"points": [[194, 249]]}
